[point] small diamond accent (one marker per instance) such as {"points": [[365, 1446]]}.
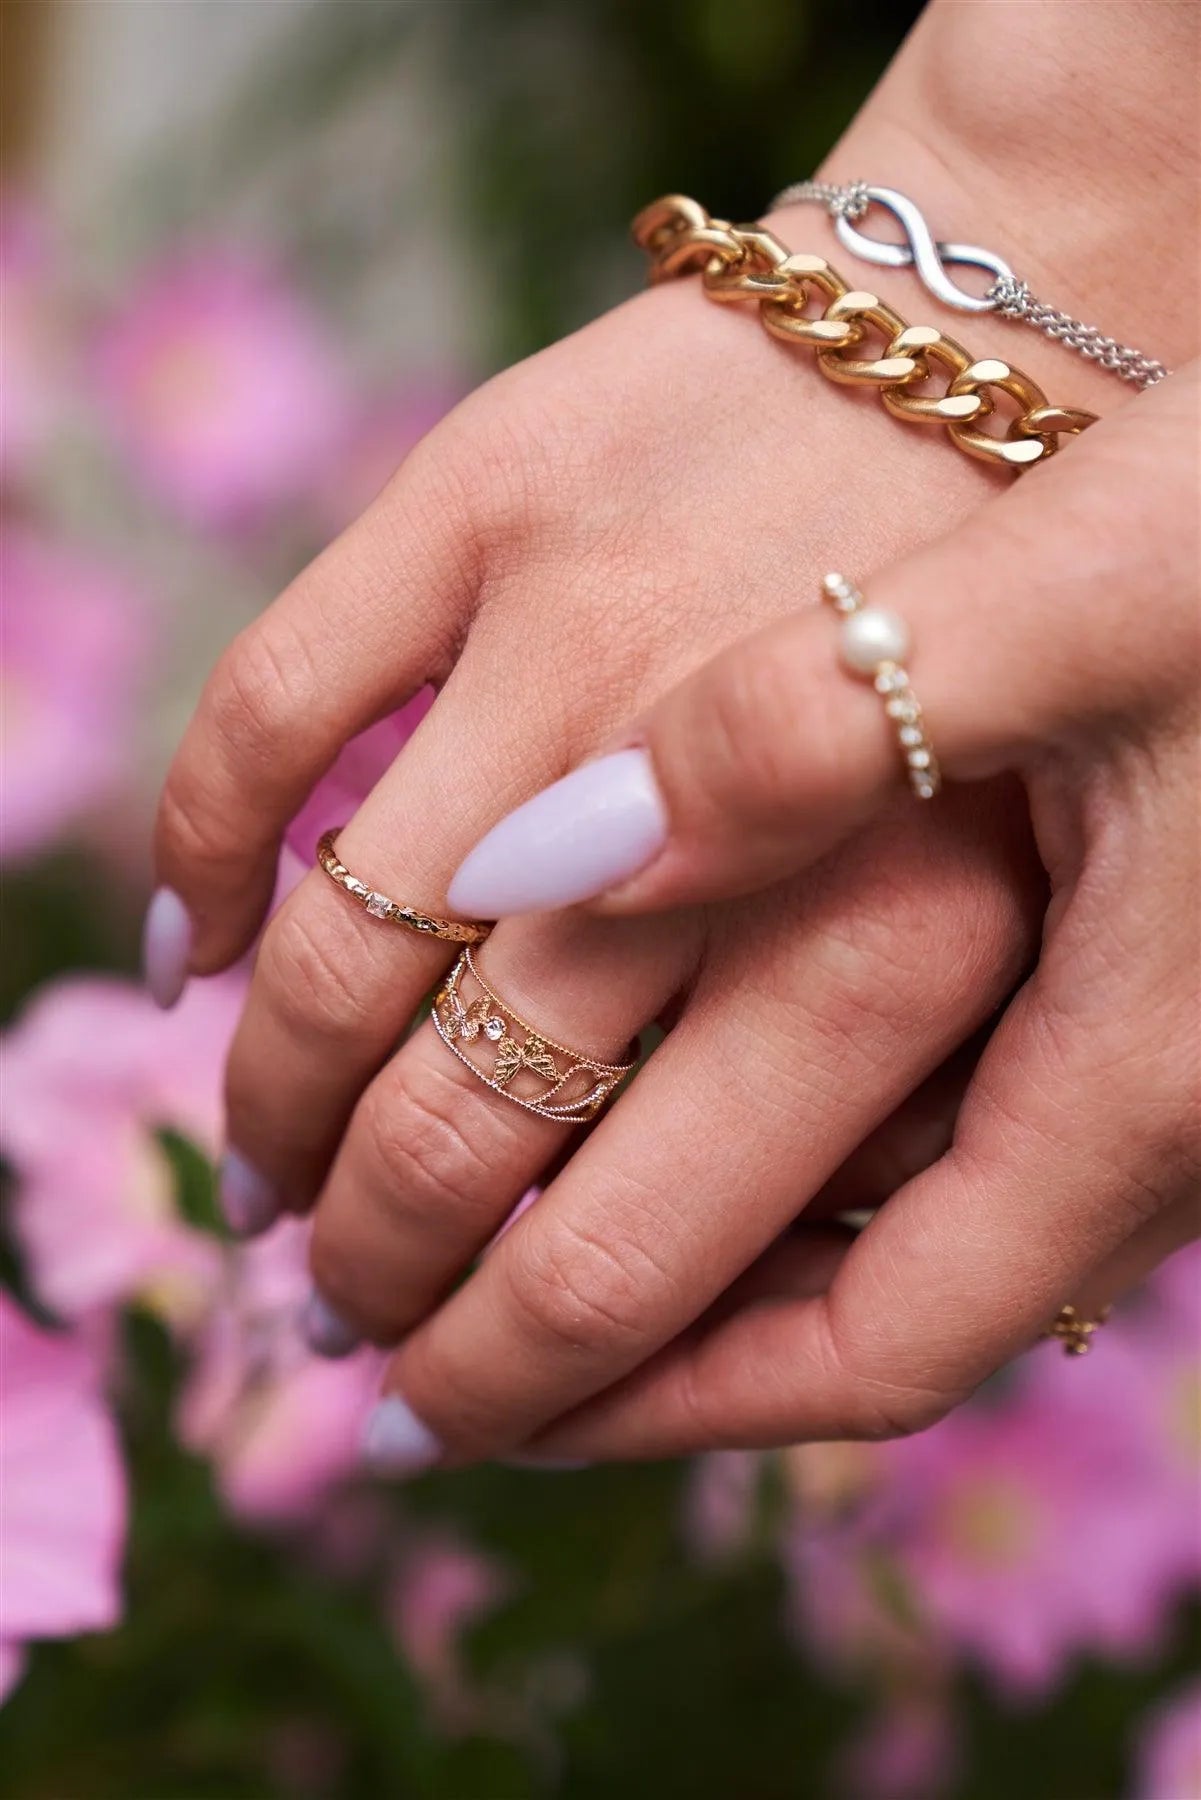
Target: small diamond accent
{"points": [[378, 905], [909, 735], [919, 759], [924, 790], [494, 1029], [890, 680]]}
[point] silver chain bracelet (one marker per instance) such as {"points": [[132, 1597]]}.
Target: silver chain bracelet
{"points": [[847, 203]]}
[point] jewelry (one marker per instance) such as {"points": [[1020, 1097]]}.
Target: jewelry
{"points": [[453, 931], [874, 643], [744, 263], [1075, 1332], [929, 256], [573, 1090]]}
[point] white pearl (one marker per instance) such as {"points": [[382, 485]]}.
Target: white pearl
{"points": [[872, 636]]}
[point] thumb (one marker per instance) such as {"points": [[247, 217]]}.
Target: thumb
{"points": [[1023, 631]]}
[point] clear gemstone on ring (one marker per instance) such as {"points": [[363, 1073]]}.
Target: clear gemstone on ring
{"points": [[494, 1029], [378, 905]]}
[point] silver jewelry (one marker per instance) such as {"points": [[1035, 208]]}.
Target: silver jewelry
{"points": [[847, 202], [873, 645]]}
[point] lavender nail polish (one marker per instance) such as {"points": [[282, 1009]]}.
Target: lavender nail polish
{"points": [[595, 828], [248, 1200], [166, 947], [324, 1329], [395, 1442]]}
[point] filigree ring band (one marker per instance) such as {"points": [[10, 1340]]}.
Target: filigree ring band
{"points": [[874, 645], [452, 931], [525, 1066]]}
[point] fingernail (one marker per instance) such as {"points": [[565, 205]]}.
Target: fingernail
{"points": [[395, 1442], [325, 1331], [248, 1200], [166, 947], [597, 827]]}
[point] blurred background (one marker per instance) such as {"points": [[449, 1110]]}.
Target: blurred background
{"points": [[250, 250]]}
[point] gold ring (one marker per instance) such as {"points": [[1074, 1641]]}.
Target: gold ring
{"points": [[1074, 1331], [559, 1083], [453, 931], [874, 644]]}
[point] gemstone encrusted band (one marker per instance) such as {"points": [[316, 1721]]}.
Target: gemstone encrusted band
{"points": [[451, 931], [873, 646]]}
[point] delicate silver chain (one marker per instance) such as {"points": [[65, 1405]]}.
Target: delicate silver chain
{"points": [[847, 202]]}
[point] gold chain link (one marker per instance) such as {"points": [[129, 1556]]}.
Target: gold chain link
{"points": [[802, 300]]}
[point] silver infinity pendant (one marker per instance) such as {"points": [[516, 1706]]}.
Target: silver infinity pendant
{"points": [[922, 251]]}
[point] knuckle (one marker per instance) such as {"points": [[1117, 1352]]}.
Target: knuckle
{"points": [[193, 830], [870, 1405], [307, 978], [421, 1150], [748, 710], [262, 686], [580, 1292]]}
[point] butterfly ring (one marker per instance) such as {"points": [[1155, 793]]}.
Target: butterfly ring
{"points": [[515, 1060]]}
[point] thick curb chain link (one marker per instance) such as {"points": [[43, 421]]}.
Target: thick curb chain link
{"points": [[746, 264]]}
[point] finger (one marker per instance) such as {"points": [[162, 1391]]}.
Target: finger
{"points": [[654, 1412], [361, 630], [774, 1072], [1017, 633], [913, 1137], [1062, 1187], [434, 1161], [334, 989]]}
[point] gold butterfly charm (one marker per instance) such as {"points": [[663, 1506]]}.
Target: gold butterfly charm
{"points": [[533, 1055], [463, 1021]]}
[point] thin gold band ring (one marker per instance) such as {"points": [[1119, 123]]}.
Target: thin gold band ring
{"points": [[452, 931]]}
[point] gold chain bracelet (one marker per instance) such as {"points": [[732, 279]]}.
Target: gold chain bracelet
{"points": [[744, 263]]}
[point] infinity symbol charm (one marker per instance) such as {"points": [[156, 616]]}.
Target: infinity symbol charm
{"points": [[921, 251]]}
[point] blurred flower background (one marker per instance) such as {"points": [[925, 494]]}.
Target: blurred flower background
{"points": [[249, 254]]}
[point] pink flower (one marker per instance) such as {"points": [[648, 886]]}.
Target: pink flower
{"points": [[91, 1070], [281, 1426], [376, 443], [222, 387], [62, 1492], [719, 1503], [443, 1589], [76, 641], [1027, 1536], [907, 1751], [1169, 1758]]}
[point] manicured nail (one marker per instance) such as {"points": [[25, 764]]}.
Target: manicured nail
{"points": [[325, 1331], [248, 1200], [396, 1442], [166, 947], [595, 828]]}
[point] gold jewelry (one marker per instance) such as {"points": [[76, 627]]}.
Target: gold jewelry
{"points": [[745, 263], [572, 1091], [873, 645], [453, 931], [1074, 1331]]}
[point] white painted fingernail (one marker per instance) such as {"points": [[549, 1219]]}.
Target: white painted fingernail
{"points": [[396, 1442], [166, 947], [324, 1329], [595, 828]]}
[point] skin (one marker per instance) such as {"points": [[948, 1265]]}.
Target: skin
{"points": [[573, 543]]}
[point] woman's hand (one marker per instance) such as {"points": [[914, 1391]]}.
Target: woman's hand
{"points": [[571, 543], [1055, 634]]}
